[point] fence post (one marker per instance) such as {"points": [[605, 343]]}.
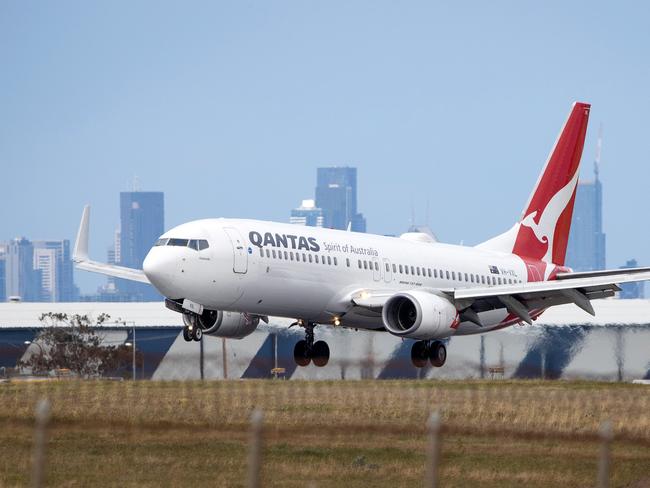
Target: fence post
{"points": [[255, 452], [606, 433], [40, 438], [433, 450]]}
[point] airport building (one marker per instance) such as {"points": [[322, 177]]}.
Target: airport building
{"points": [[564, 342], [336, 195]]}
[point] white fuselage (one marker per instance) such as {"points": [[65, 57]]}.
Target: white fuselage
{"points": [[310, 273]]}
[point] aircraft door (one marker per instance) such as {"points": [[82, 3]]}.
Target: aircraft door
{"points": [[388, 273], [376, 269], [240, 255]]}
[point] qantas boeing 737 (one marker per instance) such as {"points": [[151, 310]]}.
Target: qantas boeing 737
{"points": [[225, 275]]}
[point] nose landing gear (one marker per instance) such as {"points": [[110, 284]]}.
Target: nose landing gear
{"points": [[192, 330], [306, 350], [427, 351]]}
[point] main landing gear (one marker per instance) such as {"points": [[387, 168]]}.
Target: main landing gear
{"points": [[424, 351], [192, 330], [306, 351]]}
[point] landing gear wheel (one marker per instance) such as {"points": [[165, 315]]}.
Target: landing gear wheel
{"points": [[301, 354], [198, 334], [187, 335], [437, 354], [419, 354], [320, 353]]}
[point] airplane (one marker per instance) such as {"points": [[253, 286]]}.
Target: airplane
{"points": [[225, 275]]}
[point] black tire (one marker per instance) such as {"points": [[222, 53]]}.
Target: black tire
{"points": [[197, 334], [438, 354], [419, 356], [320, 353], [300, 355], [186, 334]]}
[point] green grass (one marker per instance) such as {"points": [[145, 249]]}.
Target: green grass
{"points": [[367, 433]]}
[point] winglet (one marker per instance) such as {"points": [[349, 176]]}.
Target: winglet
{"points": [[81, 244]]}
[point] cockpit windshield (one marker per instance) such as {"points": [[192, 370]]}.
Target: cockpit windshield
{"points": [[196, 244]]}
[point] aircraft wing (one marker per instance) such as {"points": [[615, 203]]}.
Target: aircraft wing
{"points": [[520, 299], [82, 261]]}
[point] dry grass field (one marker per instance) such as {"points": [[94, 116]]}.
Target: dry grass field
{"points": [[346, 433]]}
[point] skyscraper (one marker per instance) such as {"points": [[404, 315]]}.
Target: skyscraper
{"points": [[53, 260], [634, 289], [336, 195], [142, 217], [307, 214], [21, 279], [586, 247], [3, 279]]}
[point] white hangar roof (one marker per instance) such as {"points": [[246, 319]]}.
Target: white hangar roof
{"points": [[154, 314]]}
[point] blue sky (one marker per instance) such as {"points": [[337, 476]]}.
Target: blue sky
{"points": [[229, 107]]}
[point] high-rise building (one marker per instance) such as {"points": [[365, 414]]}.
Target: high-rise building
{"points": [[3, 281], [634, 289], [586, 247], [52, 259], [142, 217], [336, 195], [22, 281], [307, 214]]}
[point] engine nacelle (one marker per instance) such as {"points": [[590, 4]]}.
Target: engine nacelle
{"points": [[420, 315], [231, 325]]}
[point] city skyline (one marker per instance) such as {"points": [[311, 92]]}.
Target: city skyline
{"points": [[229, 109]]}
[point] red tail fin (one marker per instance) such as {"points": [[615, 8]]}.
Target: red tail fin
{"points": [[543, 231]]}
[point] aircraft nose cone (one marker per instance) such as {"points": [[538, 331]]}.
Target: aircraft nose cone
{"points": [[156, 269]]}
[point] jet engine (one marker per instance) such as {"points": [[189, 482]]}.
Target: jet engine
{"points": [[231, 325], [420, 315]]}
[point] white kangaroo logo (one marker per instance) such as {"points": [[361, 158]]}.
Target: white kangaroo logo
{"points": [[545, 230]]}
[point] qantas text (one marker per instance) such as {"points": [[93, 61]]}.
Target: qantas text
{"points": [[284, 240]]}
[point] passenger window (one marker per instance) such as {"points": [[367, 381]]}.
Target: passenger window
{"points": [[429, 272], [273, 253], [406, 269], [329, 260], [261, 252], [447, 273], [360, 264], [310, 258], [268, 253], [466, 278], [387, 268], [376, 266], [279, 254], [365, 265], [347, 262], [304, 257], [291, 255], [400, 269], [412, 270], [453, 275], [394, 268], [316, 258], [335, 261], [435, 273], [472, 278]]}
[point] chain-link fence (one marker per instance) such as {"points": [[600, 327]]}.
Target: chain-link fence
{"points": [[379, 427]]}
